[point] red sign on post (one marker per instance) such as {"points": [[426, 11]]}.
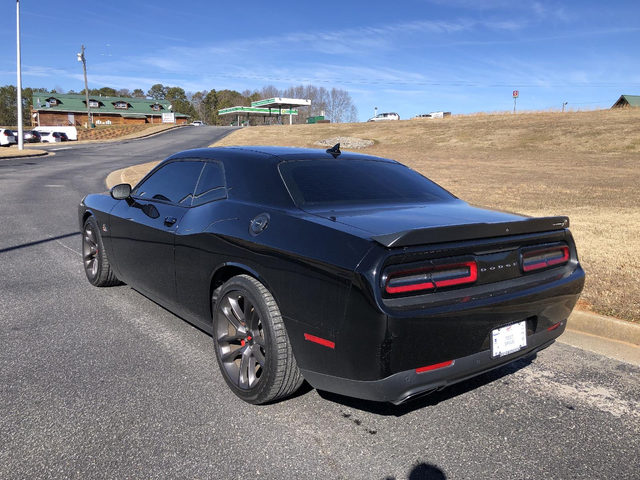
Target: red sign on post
{"points": [[515, 94]]}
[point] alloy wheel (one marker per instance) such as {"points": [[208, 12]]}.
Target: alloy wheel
{"points": [[90, 251], [240, 340]]}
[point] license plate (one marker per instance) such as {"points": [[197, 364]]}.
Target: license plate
{"points": [[509, 339]]}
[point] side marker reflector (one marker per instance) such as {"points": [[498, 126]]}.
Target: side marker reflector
{"points": [[553, 327], [434, 366], [320, 341]]}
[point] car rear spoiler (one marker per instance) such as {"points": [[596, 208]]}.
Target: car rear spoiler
{"points": [[472, 231]]}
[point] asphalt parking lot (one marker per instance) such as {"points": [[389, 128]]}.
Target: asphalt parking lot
{"points": [[103, 383]]}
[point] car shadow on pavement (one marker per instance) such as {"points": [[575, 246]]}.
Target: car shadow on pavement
{"points": [[424, 471], [389, 409], [38, 242]]}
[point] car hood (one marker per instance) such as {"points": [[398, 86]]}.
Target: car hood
{"points": [[390, 219]]}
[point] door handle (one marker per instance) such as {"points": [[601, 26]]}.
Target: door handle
{"points": [[170, 221]]}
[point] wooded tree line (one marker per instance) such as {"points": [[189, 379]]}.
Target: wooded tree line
{"points": [[9, 105], [336, 104]]}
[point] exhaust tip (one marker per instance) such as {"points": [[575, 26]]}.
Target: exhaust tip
{"points": [[414, 396]]}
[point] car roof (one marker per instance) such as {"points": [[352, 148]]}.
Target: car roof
{"points": [[272, 154], [252, 173]]}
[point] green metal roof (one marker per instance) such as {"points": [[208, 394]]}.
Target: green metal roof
{"points": [[631, 100], [76, 103]]}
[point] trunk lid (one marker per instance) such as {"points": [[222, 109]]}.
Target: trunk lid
{"points": [[409, 225]]}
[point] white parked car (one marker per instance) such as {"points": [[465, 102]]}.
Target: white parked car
{"points": [[50, 137], [383, 117], [6, 137], [71, 132], [198, 123]]}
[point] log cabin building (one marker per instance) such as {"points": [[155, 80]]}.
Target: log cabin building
{"points": [[57, 109]]}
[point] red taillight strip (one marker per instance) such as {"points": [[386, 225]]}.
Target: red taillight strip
{"points": [[320, 341], [435, 366], [411, 288], [432, 282], [545, 262]]}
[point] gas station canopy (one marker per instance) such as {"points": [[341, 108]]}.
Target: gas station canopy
{"points": [[280, 103], [268, 107], [260, 112]]}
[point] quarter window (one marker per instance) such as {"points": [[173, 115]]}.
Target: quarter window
{"points": [[211, 185], [175, 183]]}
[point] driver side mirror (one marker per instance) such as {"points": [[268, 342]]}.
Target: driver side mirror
{"points": [[121, 191]]}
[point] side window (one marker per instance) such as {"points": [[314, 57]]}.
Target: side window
{"points": [[211, 185], [175, 182]]}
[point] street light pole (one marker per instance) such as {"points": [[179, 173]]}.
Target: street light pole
{"points": [[86, 86], [19, 70]]}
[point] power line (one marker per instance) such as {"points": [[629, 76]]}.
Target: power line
{"points": [[591, 103], [352, 81]]}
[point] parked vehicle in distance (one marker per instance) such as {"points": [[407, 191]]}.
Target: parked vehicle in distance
{"points": [[63, 136], [383, 117], [72, 132], [198, 123], [7, 138], [32, 136], [50, 137], [353, 272], [440, 114]]}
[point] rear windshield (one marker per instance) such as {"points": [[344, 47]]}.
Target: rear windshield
{"points": [[357, 182]]}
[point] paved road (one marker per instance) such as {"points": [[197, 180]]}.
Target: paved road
{"points": [[103, 383]]}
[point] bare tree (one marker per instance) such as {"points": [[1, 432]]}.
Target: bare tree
{"points": [[339, 106], [270, 91], [198, 101], [353, 114]]}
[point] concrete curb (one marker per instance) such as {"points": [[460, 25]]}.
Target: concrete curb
{"points": [[149, 134], [114, 178], [606, 327], [27, 155]]}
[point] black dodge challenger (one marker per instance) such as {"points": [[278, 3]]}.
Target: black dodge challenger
{"points": [[350, 271]]}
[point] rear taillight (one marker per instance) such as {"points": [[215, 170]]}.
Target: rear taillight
{"points": [[545, 258], [432, 277]]}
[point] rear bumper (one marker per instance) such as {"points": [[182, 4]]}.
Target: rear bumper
{"points": [[402, 386]]}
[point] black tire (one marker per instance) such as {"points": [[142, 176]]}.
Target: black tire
{"points": [[251, 343], [94, 257]]}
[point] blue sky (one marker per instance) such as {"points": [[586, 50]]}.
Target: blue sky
{"points": [[408, 56]]}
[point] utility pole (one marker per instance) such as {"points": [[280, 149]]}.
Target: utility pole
{"points": [[86, 86], [19, 69], [563, 106]]}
